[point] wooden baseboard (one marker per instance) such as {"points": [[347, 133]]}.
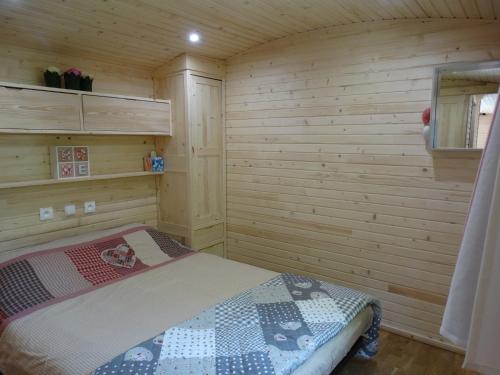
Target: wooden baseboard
{"points": [[426, 340]]}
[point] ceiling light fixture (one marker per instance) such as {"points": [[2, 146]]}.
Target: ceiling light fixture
{"points": [[194, 37]]}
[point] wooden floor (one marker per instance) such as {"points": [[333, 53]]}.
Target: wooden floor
{"points": [[402, 356]]}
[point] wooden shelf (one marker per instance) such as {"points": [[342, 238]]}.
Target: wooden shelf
{"points": [[44, 110], [51, 181], [79, 92]]}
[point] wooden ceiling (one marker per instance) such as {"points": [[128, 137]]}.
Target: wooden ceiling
{"points": [[149, 32]]}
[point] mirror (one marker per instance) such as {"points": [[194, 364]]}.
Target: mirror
{"points": [[464, 99]]}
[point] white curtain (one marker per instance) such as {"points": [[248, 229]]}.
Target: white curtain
{"points": [[472, 314]]}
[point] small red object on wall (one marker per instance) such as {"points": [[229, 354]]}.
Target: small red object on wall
{"points": [[426, 131], [426, 116]]}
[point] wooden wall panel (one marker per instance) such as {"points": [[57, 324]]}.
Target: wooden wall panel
{"points": [[327, 172], [26, 157], [23, 65], [119, 201], [175, 209]]}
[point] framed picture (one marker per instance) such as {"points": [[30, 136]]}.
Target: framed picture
{"points": [[70, 162]]}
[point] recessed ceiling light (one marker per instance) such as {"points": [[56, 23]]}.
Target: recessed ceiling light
{"points": [[194, 37]]}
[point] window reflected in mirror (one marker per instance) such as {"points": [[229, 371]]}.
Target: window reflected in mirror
{"points": [[464, 102]]}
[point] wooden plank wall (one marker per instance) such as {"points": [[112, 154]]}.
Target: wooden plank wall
{"points": [[23, 65], [327, 172], [26, 157], [119, 201], [173, 190]]}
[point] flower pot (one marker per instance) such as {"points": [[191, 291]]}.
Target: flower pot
{"points": [[86, 84], [71, 81], [52, 79]]}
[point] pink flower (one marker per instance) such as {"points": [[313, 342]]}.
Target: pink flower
{"points": [[74, 71]]}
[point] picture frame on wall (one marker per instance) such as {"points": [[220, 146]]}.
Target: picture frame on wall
{"points": [[70, 162]]}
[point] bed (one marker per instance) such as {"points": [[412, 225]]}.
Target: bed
{"points": [[132, 300]]}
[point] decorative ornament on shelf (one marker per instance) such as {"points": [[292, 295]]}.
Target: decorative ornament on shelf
{"points": [[426, 131], [52, 77], [86, 82], [154, 163], [72, 79], [158, 164]]}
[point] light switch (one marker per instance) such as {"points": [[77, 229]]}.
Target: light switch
{"points": [[46, 213], [89, 207], [69, 209]]}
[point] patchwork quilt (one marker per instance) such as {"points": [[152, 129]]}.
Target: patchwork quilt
{"points": [[270, 329], [39, 279]]}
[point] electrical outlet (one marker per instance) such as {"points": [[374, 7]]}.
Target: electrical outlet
{"points": [[46, 213], [89, 207], [69, 209]]}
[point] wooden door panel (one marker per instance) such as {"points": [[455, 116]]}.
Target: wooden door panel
{"points": [[206, 147]]}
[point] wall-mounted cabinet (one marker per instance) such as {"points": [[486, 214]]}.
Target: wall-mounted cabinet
{"points": [[124, 115], [33, 109]]}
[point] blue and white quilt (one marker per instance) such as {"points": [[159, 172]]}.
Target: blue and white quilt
{"points": [[270, 330]]}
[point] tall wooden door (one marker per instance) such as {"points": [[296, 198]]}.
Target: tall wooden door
{"points": [[452, 114], [206, 162]]}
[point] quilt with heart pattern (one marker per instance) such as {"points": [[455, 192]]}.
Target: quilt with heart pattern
{"points": [[38, 279], [269, 330]]}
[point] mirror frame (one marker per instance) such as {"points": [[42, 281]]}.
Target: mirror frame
{"points": [[452, 67]]}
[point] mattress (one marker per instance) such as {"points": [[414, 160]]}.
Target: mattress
{"points": [[77, 335]]}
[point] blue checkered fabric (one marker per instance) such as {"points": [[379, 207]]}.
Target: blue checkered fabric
{"points": [[270, 330]]}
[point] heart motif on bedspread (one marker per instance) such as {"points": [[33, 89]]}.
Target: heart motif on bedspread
{"points": [[120, 256]]}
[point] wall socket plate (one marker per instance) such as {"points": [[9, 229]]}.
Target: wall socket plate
{"points": [[69, 209], [89, 207], [46, 213]]}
